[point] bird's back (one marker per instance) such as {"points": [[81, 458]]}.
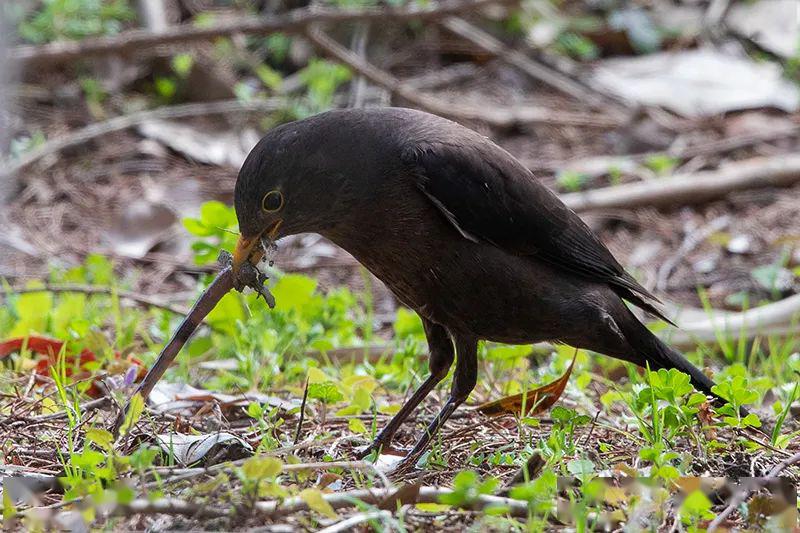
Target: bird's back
{"points": [[446, 187]]}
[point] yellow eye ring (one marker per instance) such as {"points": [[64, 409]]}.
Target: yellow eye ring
{"points": [[272, 202]]}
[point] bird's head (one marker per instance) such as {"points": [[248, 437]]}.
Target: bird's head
{"points": [[288, 184]]}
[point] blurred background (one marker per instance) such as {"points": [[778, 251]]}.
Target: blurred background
{"points": [[671, 126]]}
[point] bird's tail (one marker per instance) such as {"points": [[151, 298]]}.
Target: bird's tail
{"points": [[651, 350]]}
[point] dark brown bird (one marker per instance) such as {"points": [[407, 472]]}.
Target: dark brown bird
{"points": [[458, 229]]}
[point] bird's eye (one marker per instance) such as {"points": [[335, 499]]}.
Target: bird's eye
{"points": [[272, 201]]}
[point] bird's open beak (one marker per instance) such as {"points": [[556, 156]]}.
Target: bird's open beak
{"points": [[249, 250]]}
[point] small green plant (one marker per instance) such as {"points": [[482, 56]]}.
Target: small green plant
{"points": [[661, 164], [540, 494], [577, 46], [216, 229], [321, 79], [775, 277], [21, 145], [467, 487], [572, 181], [75, 19], [738, 392], [259, 478], [782, 412], [672, 397], [561, 441], [95, 96], [182, 65], [269, 422], [665, 408], [695, 509]]}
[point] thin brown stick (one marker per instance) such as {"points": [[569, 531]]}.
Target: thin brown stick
{"points": [[92, 131], [534, 69], [141, 299], [139, 41], [500, 118], [691, 189], [221, 285], [742, 495]]}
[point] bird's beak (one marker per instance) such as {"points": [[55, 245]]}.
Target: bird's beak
{"points": [[247, 249]]}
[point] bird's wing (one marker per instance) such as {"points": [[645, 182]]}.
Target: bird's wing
{"points": [[489, 196]]}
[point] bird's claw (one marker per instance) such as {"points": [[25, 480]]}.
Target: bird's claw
{"points": [[248, 276]]}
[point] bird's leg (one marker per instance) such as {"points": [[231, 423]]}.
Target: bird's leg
{"points": [[440, 346], [464, 380]]}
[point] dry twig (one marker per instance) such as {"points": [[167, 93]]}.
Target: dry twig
{"points": [[349, 523], [775, 319], [742, 495], [690, 189], [500, 118], [534, 69], [115, 124], [138, 41], [338, 500]]}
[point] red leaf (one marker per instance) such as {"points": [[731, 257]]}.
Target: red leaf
{"points": [[49, 349]]}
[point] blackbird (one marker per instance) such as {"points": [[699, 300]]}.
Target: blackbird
{"points": [[458, 229]]}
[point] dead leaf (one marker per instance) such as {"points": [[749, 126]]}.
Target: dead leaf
{"points": [[210, 449], [327, 479], [536, 400], [139, 227], [405, 495], [696, 83], [775, 24], [77, 366], [222, 148], [185, 400]]}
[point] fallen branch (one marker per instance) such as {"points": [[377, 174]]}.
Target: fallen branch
{"points": [[602, 165], [141, 299], [338, 500], [534, 69], [138, 41], [500, 118], [690, 189], [92, 131], [777, 318], [168, 474], [742, 495]]}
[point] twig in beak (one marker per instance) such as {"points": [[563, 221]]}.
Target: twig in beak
{"points": [[249, 276]]}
